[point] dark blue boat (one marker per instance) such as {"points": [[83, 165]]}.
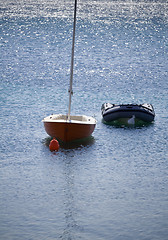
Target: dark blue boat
{"points": [[144, 112]]}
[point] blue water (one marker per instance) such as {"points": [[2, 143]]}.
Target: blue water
{"points": [[115, 185]]}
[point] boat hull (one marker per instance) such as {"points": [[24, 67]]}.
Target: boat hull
{"points": [[111, 112], [66, 131]]}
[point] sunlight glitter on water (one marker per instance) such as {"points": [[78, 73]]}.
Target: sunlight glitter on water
{"points": [[114, 184]]}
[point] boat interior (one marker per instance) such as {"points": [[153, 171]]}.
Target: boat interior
{"points": [[81, 118]]}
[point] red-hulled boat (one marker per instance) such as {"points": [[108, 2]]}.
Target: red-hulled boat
{"points": [[67, 127], [77, 127]]}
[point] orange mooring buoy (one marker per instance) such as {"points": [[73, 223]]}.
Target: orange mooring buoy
{"points": [[54, 145]]}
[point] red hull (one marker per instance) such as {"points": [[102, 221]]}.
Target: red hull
{"points": [[66, 131]]}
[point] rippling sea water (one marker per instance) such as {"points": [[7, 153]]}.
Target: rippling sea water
{"points": [[113, 186]]}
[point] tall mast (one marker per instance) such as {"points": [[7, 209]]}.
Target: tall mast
{"points": [[72, 61]]}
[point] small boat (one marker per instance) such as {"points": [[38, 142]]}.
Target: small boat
{"points": [[68, 127], [129, 112], [66, 130]]}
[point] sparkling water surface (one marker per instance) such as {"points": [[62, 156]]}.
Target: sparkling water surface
{"points": [[115, 184]]}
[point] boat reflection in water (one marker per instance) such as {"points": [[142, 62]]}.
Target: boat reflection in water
{"points": [[76, 144]]}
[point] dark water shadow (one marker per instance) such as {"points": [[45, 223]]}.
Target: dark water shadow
{"points": [[85, 142], [123, 123]]}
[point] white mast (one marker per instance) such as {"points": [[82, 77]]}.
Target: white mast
{"points": [[72, 60]]}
